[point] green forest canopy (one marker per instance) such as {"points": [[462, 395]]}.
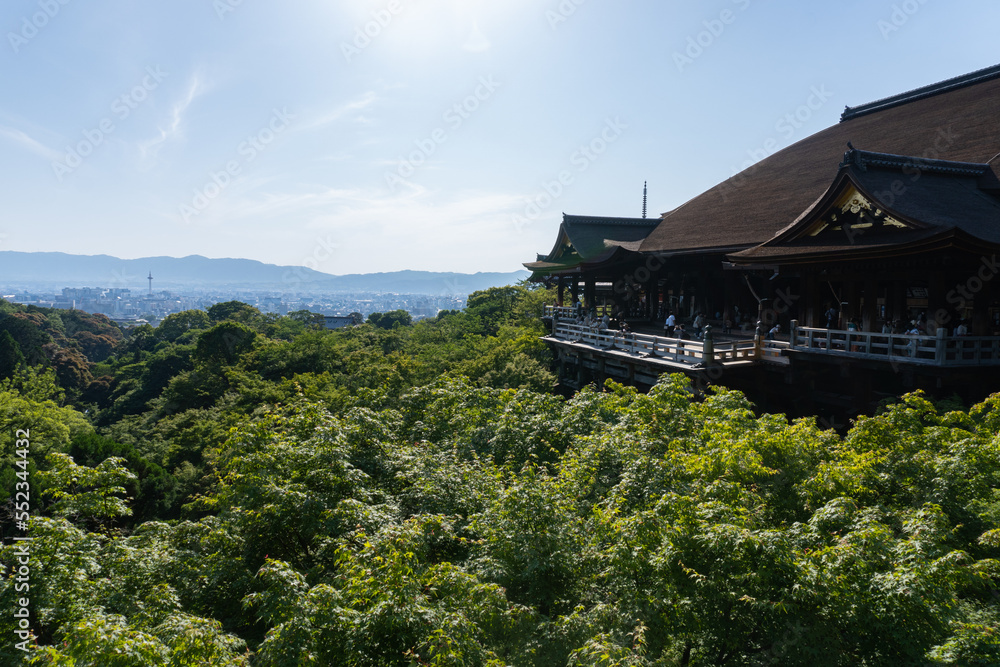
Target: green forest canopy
{"points": [[235, 488]]}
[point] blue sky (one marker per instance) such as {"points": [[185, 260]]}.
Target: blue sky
{"points": [[444, 135]]}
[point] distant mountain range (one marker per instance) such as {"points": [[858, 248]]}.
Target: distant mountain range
{"points": [[56, 270]]}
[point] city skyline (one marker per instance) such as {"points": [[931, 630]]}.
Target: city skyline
{"points": [[439, 135]]}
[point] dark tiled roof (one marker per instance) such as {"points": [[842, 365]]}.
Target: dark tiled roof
{"points": [[922, 93], [961, 124], [941, 202], [591, 235], [591, 239], [809, 250], [542, 265], [938, 199], [898, 163], [991, 179]]}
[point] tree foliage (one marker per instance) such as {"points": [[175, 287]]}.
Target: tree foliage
{"points": [[391, 319], [261, 491]]}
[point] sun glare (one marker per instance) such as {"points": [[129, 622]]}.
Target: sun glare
{"points": [[433, 27]]}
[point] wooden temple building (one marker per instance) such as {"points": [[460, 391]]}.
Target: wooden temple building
{"points": [[874, 244]]}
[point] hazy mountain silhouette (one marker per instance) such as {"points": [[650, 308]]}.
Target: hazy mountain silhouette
{"points": [[56, 270]]}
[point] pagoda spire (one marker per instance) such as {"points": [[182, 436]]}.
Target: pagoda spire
{"points": [[644, 192]]}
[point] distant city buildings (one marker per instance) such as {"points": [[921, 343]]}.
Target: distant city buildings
{"points": [[126, 307]]}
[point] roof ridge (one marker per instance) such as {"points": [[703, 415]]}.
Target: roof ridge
{"points": [[923, 92], [862, 159], [597, 219]]}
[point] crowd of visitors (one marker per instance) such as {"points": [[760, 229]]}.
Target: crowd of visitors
{"points": [[732, 320]]}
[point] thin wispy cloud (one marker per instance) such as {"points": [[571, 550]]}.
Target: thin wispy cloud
{"points": [[343, 111], [21, 139], [447, 92], [174, 128], [257, 198]]}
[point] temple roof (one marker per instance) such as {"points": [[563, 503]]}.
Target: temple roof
{"points": [[591, 239], [889, 204], [956, 120], [921, 93]]}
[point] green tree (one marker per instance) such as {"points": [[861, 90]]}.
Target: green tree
{"points": [[11, 359], [309, 319], [234, 311], [139, 339], [27, 332], [518, 305], [390, 319], [225, 343], [71, 368], [153, 490], [86, 494], [96, 347], [176, 325]]}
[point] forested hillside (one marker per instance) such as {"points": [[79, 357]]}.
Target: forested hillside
{"points": [[233, 488]]}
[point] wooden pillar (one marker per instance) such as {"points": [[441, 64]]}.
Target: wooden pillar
{"points": [[813, 309], [869, 316], [980, 324], [936, 289], [590, 292], [652, 297], [852, 295], [704, 288], [899, 311], [990, 291], [770, 315], [561, 290], [691, 296]]}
